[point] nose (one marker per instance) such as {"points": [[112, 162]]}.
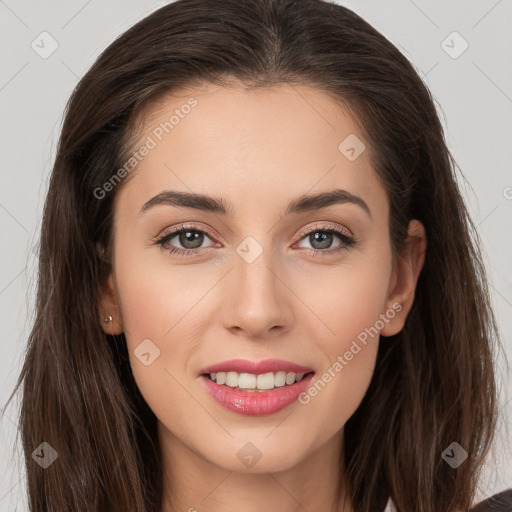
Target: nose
{"points": [[257, 299]]}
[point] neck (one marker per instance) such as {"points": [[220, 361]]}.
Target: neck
{"points": [[194, 484]]}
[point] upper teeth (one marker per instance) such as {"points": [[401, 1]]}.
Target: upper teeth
{"points": [[251, 381]]}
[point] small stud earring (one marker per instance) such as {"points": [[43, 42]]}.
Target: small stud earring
{"points": [[108, 319]]}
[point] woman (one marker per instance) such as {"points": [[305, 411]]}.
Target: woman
{"points": [[259, 286]]}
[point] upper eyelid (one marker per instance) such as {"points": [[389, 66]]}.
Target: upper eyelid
{"points": [[327, 226], [178, 229]]}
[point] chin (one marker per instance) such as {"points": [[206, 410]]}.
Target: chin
{"points": [[258, 456]]}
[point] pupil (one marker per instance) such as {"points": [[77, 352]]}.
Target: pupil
{"points": [[318, 240], [192, 237], [324, 239]]}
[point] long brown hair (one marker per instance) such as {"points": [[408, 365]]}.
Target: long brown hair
{"points": [[434, 382]]}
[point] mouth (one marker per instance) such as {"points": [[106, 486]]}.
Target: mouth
{"points": [[256, 388], [256, 382]]}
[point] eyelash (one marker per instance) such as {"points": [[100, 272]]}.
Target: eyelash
{"points": [[347, 240]]}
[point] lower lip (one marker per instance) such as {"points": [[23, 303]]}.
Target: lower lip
{"points": [[255, 403]]}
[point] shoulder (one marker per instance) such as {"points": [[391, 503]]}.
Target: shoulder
{"points": [[501, 502]]}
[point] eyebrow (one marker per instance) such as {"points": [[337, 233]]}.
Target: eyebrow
{"points": [[218, 205]]}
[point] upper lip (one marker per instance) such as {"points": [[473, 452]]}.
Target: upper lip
{"points": [[256, 367]]}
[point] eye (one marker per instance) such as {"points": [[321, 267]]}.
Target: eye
{"points": [[321, 238], [190, 238]]}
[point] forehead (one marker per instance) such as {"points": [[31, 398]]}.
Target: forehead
{"points": [[238, 143]]}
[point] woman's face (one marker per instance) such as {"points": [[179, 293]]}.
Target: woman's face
{"points": [[264, 277]]}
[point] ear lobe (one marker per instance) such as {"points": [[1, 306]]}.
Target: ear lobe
{"points": [[406, 271], [110, 307]]}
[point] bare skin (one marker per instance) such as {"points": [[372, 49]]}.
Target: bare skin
{"points": [[258, 150]]}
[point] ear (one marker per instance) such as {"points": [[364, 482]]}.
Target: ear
{"points": [[406, 271], [110, 307], [109, 304]]}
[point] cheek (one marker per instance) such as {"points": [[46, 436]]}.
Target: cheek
{"points": [[349, 302], [155, 297], [344, 302], [340, 385], [164, 305], [148, 310]]}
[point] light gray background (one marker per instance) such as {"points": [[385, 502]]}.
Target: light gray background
{"points": [[474, 92]]}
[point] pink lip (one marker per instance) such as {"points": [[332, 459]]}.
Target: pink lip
{"points": [[256, 367], [255, 403]]}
